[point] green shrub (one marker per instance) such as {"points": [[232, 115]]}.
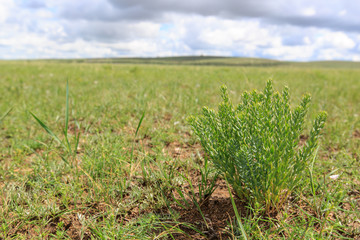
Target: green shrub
{"points": [[256, 144]]}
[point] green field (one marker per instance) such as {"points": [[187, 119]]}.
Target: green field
{"points": [[121, 183]]}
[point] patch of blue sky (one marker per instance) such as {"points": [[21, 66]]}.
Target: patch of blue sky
{"points": [[166, 26]]}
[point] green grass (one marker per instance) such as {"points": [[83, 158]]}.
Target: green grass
{"points": [[126, 185]]}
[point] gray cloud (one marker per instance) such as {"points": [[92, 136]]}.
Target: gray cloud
{"points": [[99, 19], [107, 32], [202, 7], [300, 13], [32, 4]]}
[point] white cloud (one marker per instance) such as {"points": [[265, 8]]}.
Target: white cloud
{"points": [[306, 40], [299, 53], [309, 12], [342, 12], [334, 40], [5, 7], [330, 54], [356, 58]]}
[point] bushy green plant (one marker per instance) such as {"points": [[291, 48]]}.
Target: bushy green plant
{"points": [[256, 144]]}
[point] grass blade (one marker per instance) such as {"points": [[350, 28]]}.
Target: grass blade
{"points": [[67, 109], [237, 215], [67, 118], [77, 139], [182, 197], [141, 119], [43, 125], [311, 167], [137, 130], [65, 161], [5, 114]]}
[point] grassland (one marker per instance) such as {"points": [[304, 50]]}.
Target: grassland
{"points": [[121, 183]]}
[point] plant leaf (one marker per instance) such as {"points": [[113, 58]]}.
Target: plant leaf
{"points": [[47, 129], [5, 114]]}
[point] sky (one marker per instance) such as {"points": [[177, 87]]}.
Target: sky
{"points": [[297, 30]]}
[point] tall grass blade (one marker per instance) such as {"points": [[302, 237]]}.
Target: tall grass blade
{"points": [[67, 118], [182, 197], [237, 215], [65, 161], [311, 167], [67, 109], [5, 114], [47, 129], [137, 130], [138, 127], [77, 139], [193, 197]]}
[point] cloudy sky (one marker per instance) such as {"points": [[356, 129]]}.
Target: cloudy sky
{"points": [[300, 30]]}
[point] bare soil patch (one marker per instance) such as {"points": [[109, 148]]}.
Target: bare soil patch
{"points": [[356, 133], [181, 150], [216, 214], [303, 139]]}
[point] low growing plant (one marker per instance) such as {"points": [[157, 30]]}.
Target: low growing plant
{"points": [[256, 144]]}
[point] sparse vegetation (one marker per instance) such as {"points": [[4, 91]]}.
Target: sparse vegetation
{"points": [[132, 175]]}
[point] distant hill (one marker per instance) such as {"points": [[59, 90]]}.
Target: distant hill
{"points": [[217, 61], [188, 60]]}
